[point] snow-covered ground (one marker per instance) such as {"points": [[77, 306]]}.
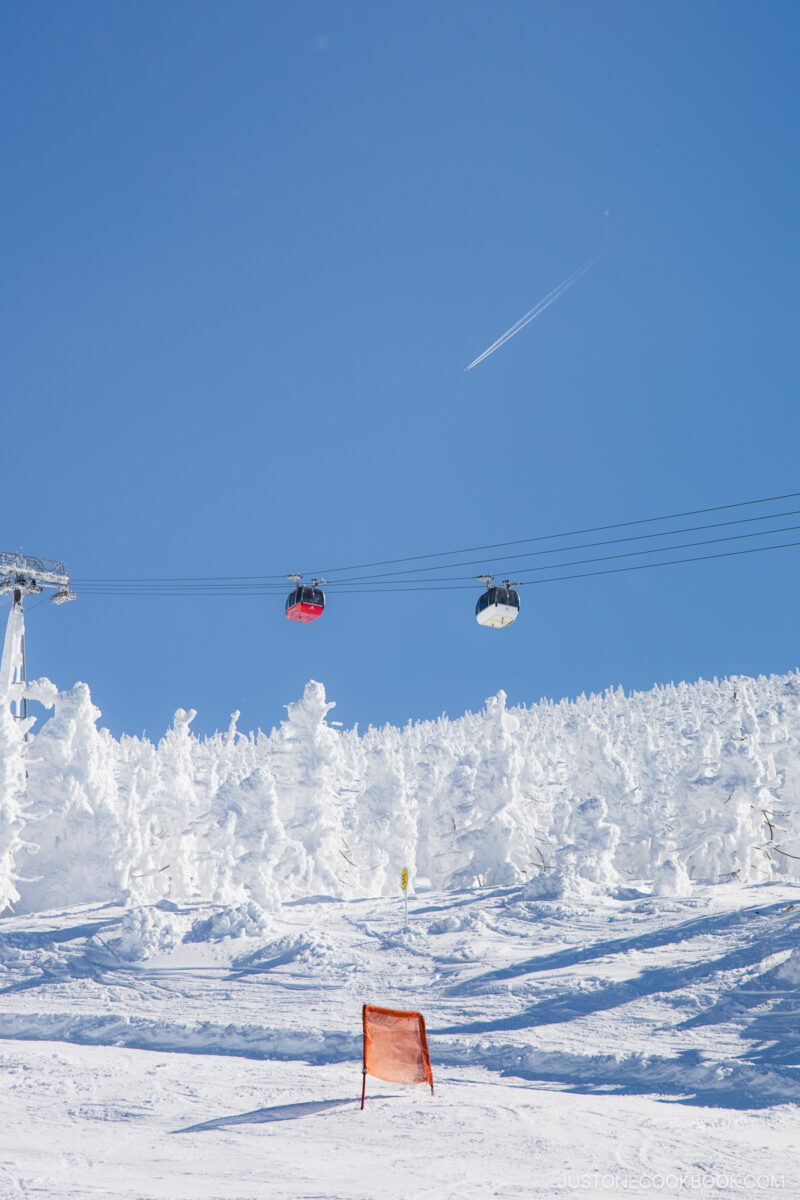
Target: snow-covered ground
{"points": [[636, 1046], [603, 939]]}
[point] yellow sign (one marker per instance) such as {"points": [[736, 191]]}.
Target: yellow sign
{"points": [[404, 878]]}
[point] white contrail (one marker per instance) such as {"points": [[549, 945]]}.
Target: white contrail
{"points": [[544, 303]]}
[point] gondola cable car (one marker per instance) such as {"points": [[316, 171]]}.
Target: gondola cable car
{"points": [[498, 606], [306, 602]]}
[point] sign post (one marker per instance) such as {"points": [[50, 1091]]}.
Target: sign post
{"points": [[404, 886]]}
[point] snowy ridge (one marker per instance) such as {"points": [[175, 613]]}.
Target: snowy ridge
{"points": [[688, 783]]}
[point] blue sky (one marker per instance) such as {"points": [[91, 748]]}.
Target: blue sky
{"points": [[249, 249]]}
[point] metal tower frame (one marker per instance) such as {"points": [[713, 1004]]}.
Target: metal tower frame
{"points": [[21, 576]]}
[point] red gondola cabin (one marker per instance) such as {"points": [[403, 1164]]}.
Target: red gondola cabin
{"points": [[305, 603]]}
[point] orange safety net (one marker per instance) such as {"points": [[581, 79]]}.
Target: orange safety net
{"points": [[395, 1046]]}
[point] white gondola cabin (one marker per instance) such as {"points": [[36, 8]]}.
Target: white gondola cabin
{"points": [[498, 606]]}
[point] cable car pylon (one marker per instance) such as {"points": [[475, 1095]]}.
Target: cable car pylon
{"points": [[498, 606], [22, 576]]}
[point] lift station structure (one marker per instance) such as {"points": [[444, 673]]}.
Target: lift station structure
{"points": [[21, 576]]}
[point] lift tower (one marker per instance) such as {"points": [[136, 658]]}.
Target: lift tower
{"points": [[21, 576]]}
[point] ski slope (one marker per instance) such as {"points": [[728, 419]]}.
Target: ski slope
{"points": [[640, 1046], [603, 939]]}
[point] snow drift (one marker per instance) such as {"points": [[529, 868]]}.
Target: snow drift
{"points": [[694, 782]]}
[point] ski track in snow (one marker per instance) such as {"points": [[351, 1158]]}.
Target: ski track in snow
{"points": [[620, 1038]]}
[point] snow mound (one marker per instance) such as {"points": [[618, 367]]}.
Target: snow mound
{"points": [[143, 933], [789, 971], [231, 921]]}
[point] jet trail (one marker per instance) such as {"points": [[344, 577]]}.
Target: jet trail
{"points": [[534, 312]]}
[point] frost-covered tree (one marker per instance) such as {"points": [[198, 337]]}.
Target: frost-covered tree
{"points": [[74, 817], [12, 800], [307, 762], [692, 782], [381, 815], [493, 826]]}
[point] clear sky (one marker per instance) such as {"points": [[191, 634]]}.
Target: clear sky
{"points": [[249, 249]]}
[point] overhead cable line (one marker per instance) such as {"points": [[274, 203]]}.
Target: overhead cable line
{"points": [[460, 587], [696, 512], [228, 582], [386, 585], [578, 562], [637, 537], [441, 586]]}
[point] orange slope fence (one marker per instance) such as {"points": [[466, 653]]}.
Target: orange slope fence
{"points": [[395, 1047]]}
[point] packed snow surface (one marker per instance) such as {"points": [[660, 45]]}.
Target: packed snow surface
{"points": [[640, 1047], [603, 939]]}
